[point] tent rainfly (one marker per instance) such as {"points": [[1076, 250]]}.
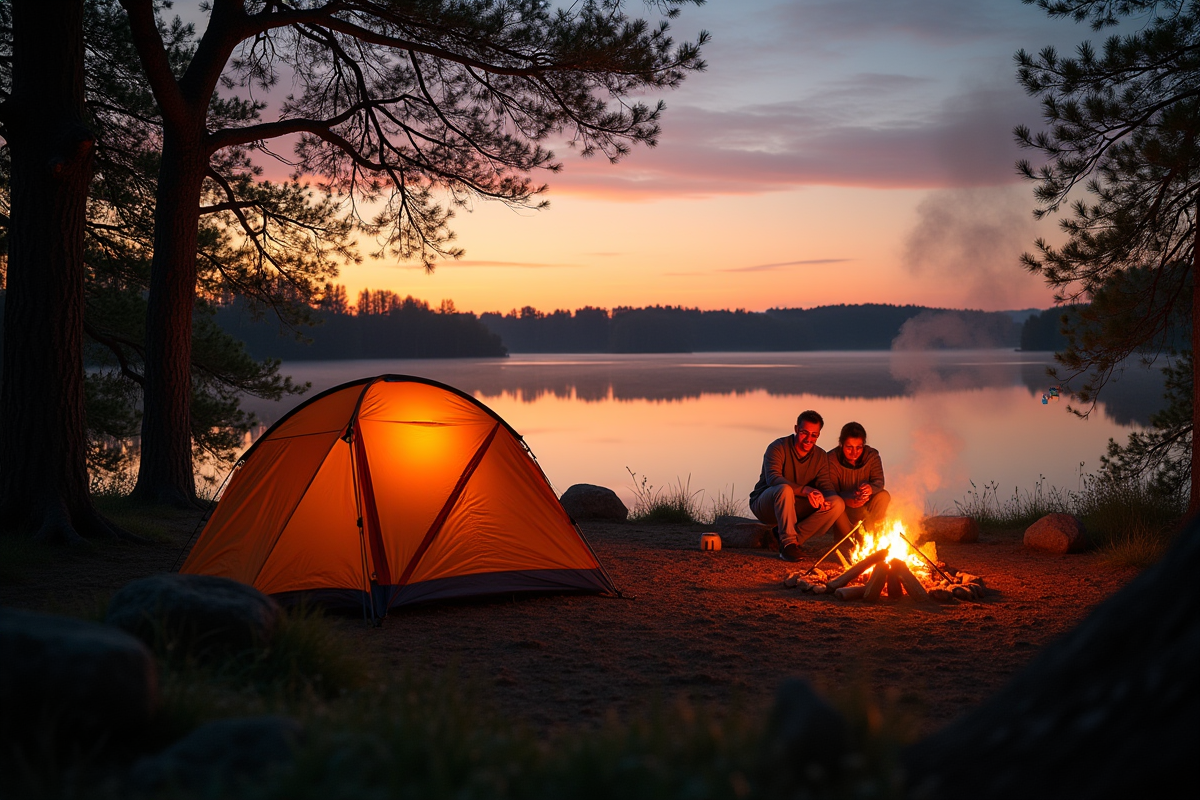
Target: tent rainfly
{"points": [[398, 489]]}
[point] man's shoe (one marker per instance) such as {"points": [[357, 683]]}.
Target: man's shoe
{"points": [[790, 552]]}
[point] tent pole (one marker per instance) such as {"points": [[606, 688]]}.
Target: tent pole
{"points": [[368, 599]]}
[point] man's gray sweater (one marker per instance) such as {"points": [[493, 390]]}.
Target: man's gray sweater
{"points": [[783, 464]]}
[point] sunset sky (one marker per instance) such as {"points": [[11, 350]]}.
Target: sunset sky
{"points": [[834, 152]]}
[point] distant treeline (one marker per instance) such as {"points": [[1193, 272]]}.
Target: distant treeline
{"points": [[388, 327], [1044, 331], [673, 329]]}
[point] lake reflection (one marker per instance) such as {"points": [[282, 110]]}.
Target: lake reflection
{"points": [[940, 419]]}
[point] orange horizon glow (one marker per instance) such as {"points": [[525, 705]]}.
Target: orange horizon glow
{"points": [[802, 248]]}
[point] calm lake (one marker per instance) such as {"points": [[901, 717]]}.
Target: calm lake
{"points": [[940, 419]]}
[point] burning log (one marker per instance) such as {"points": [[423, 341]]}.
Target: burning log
{"points": [[912, 584], [875, 585], [856, 570], [890, 563], [850, 592], [895, 590]]}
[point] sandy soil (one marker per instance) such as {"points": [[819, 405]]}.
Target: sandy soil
{"points": [[716, 627]]}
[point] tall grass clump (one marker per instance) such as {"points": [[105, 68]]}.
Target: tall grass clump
{"points": [[676, 503], [1129, 521], [726, 505], [307, 662], [1020, 510]]}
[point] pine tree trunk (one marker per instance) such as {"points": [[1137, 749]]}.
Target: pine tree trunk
{"points": [[166, 474], [43, 440], [1194, 496]]}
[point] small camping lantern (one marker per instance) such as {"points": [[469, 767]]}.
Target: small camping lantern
{"points": [[710, 541]]}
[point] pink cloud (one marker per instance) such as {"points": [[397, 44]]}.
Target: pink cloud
{"points": [[965, 143]]}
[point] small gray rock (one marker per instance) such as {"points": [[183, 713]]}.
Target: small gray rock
{"points": [[1057, 533], [952, 530], [72, 680], [220, 754], [585, 501], [194, 614], [806, 737]]}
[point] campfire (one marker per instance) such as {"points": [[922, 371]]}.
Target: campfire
{"points": [[887, 563]]}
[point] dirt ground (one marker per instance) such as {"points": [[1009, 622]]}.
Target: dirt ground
{"points": [[718, 628]]}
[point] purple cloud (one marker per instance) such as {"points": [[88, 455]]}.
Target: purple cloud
{"points": [[965, 142]]}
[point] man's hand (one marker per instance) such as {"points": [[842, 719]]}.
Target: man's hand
{"points": [[864, 492], [817, 500]]}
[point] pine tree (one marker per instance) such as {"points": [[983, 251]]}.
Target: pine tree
{"points": [[43, 473], [1122, 145]]}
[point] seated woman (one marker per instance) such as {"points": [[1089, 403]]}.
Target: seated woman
{"points": [[856, 472]]}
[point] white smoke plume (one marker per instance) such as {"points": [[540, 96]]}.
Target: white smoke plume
{"points": [[956, 330], [934, 452], [975, 236]]}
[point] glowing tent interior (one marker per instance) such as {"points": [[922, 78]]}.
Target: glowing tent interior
{"points": [[398, 489]]}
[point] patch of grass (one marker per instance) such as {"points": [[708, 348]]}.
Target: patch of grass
{"points": [[422, 734], [1020, 510], [306, 658], [139, 519], [727, 505], [1129, 523], [676, 503], [439, 737], [111, 484]]}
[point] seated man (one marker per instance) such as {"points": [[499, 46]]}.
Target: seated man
{"points": [[794, 492], [856, 472]]}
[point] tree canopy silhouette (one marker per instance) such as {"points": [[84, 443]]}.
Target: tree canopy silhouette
{"points": [[1122, 145], [405, 108]]}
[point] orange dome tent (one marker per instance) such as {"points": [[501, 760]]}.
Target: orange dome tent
{"points": [[396, 488]]}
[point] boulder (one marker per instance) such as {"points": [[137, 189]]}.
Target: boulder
{"points": [[1057, 533], [745, 532], [68, 680], [585, 501], [220, 754], [194, 614], [807, 740], [949, 530]]}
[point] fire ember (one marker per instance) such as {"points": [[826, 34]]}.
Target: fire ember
{"points": [[887, 563]]}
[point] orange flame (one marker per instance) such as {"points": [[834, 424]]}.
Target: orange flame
{"points": [[890, 539]]}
